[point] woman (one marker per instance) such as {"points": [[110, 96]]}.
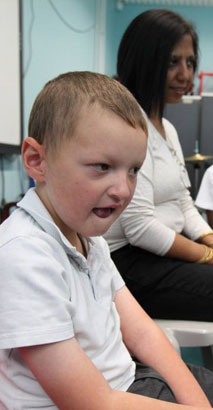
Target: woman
{"points": [[161, 244]]}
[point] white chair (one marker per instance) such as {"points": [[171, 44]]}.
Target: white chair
{"points": [[184, 333]]}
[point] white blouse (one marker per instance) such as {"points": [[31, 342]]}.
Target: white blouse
{"points": [[161, 205]]}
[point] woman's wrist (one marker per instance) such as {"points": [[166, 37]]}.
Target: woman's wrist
{"points": [[207, 256]]}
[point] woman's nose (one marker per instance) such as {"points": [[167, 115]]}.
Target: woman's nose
{"points": [[184, 72]]}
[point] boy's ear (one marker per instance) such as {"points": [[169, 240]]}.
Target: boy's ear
{"points": [[33, 158]]}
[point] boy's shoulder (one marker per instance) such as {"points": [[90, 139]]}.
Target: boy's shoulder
{"points": [[19, 223], [22, 229]]}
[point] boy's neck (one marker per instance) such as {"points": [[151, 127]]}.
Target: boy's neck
{"points": [[78, 243], [80, 246]]}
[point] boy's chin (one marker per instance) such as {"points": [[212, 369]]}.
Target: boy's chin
{"points": [[98, 232], [98, 226]]}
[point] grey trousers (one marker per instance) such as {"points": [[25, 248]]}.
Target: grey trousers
{"points": [[151, 384]]}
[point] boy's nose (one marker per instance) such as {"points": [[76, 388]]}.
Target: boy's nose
{"points": [[121, 188]]}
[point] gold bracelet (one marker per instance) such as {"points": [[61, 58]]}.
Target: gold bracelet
{"points": [[208, 254], [204, 235], [202, 260]]}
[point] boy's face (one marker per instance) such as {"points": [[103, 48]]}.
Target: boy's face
{"points": [[93, 176]]}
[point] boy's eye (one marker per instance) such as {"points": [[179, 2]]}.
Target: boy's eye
{"points": [[134, 170], [101, 167]]}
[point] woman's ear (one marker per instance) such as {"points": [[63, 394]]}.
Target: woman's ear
{"points": [[33, 158]]}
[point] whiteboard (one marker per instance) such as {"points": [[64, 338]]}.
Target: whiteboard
{"points": [[10, 76]]}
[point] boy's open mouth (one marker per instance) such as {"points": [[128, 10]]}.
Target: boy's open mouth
{"points": [[103, 212]]}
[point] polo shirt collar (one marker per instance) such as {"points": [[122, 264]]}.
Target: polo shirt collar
{"points": [[32, 204]]}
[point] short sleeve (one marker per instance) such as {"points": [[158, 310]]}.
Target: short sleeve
{"points": [[35, 305]]}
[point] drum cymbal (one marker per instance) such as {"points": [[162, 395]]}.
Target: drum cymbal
{"points": [[198, 158]]}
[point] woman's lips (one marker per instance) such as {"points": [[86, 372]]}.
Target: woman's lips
{"points": [[178, 90]]}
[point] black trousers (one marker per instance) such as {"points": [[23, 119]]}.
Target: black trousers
{"points": [[151, 384], [167, 288]]}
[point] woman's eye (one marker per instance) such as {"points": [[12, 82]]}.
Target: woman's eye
{"points": [[191, 62], [134, 170], [101, 167], [173, 61]]}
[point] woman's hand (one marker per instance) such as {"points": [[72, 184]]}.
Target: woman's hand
{"points": [[207, 240], [207, 256], [188, 250]]}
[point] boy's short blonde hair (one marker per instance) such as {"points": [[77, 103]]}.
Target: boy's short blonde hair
{"points": [[57, 108]]}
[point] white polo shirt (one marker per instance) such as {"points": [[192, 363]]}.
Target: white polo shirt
{"points": [[50, 292]]}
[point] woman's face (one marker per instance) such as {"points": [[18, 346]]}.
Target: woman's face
{"points": [[181, 70]]}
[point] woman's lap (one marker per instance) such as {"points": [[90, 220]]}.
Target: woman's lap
{"points": [[167, 288]]}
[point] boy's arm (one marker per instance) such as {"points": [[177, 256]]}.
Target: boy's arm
{"points": [[149, 344], [73, 382]]}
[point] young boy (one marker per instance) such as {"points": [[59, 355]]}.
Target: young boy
{"points": [[67, 321]]}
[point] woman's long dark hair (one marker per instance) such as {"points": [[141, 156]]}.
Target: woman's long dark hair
{"points": [[144, 55]]}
